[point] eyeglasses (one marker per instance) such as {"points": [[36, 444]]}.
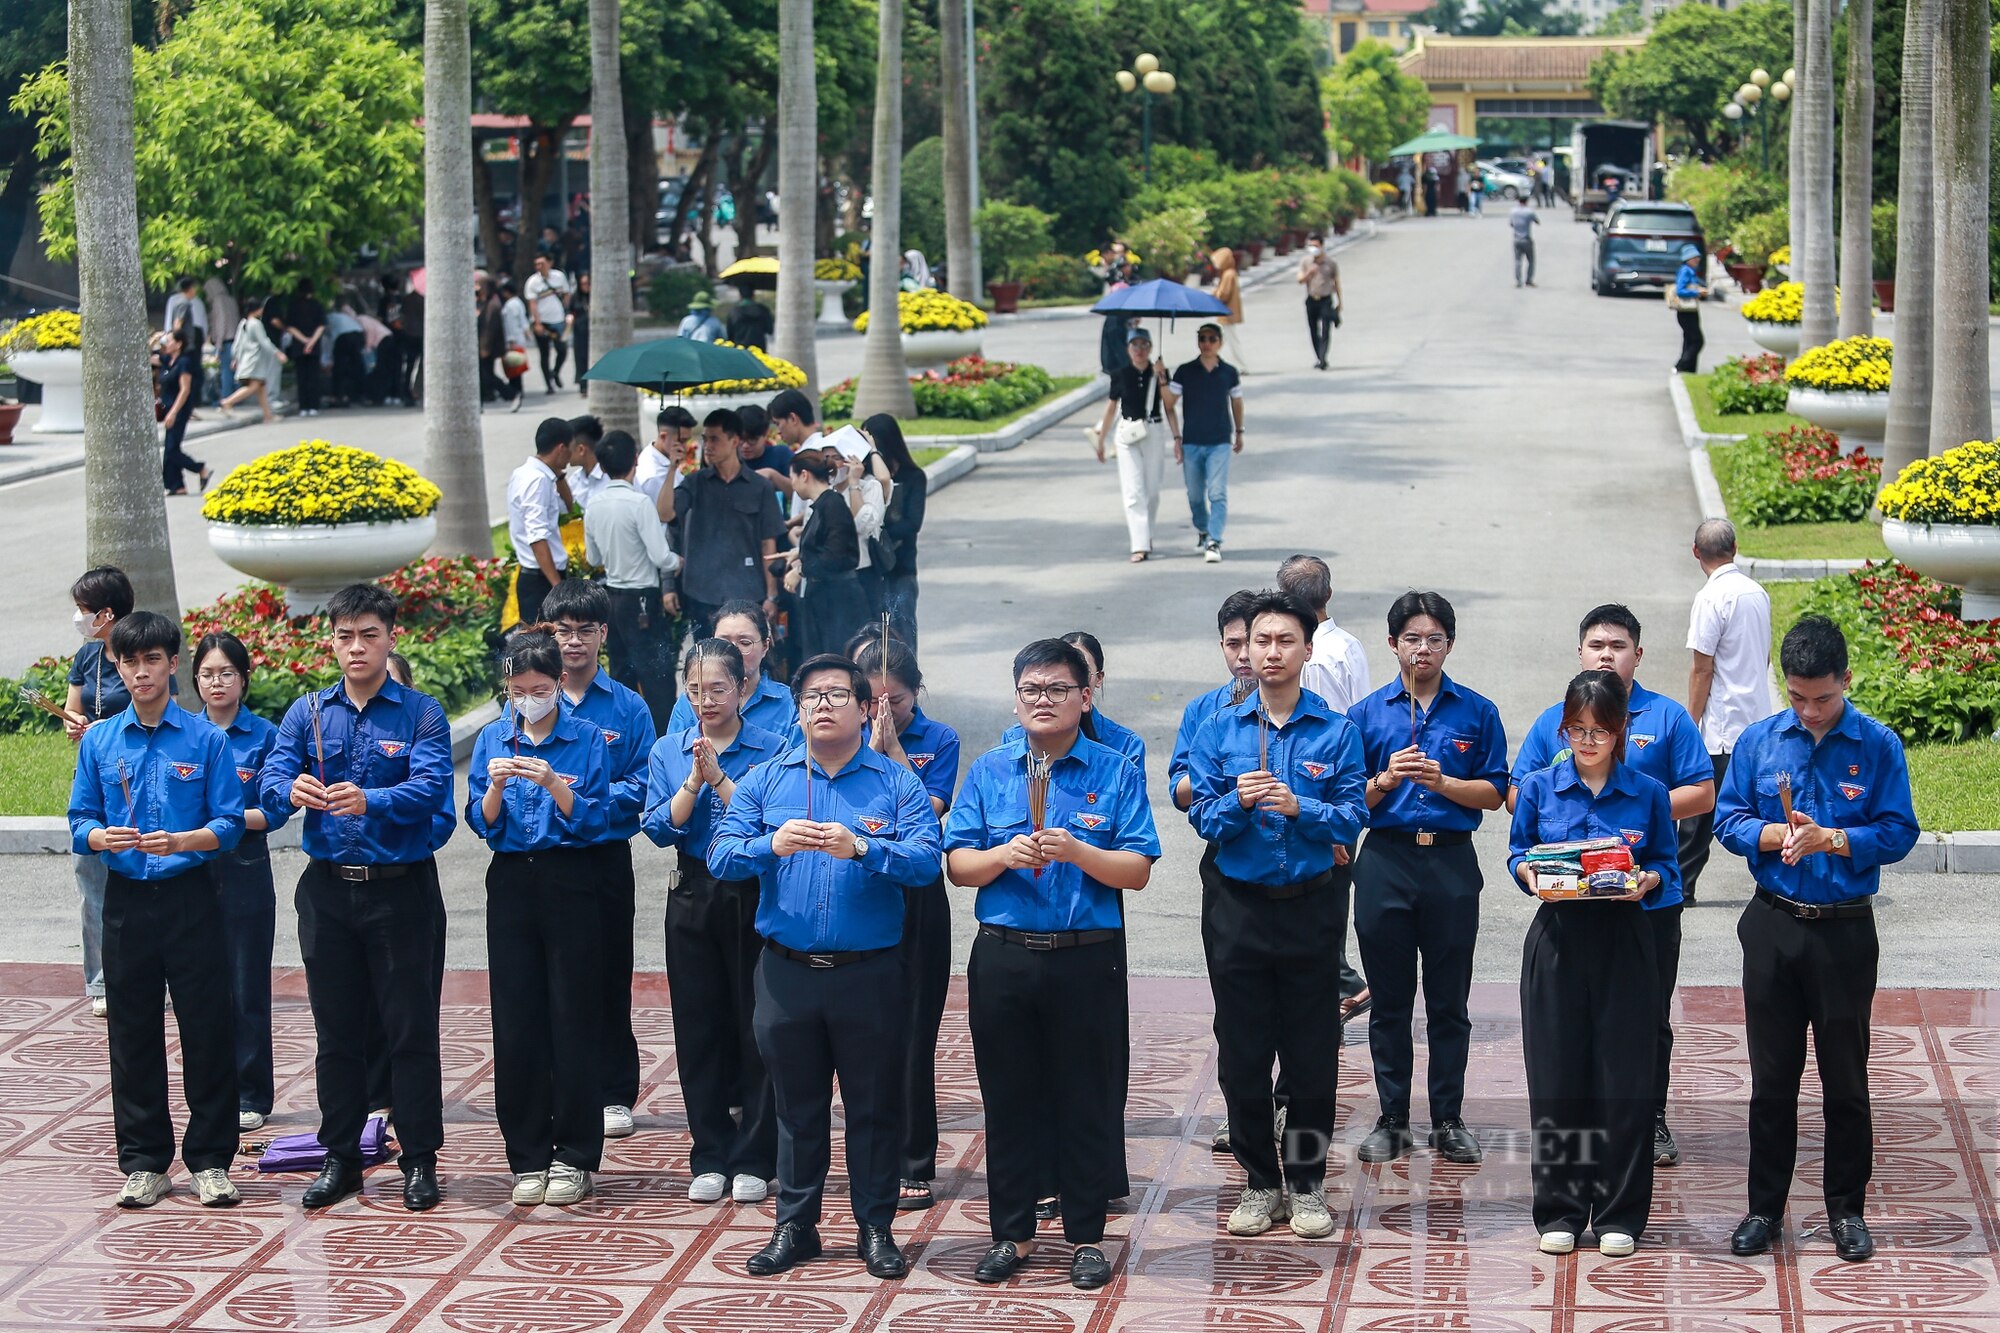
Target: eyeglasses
{"points": [[575, 633], [1587, 735], [831, 698], [710, 693], [1055, 694], [1416, 641], [222, 677]]}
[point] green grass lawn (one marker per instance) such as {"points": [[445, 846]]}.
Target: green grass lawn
{"points": [[914, 426], [1731, 423], [926, 457], [37, 765], [1956, 787], [1813, 541]]}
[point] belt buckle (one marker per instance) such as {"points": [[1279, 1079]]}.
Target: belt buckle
{"points": [[1426, 839], [351, 874], [1039, 941], [1808, 912], [818, 960]]}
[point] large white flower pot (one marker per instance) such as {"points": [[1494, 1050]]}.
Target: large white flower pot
{"points": [[60, 373], [935, 347], [1965, 554], [315, 561], [831, 290], [1780, 338], [1857, 417]]}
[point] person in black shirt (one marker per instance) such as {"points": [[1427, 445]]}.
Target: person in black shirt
{"points": [[830, 603], [1132, 423], [182, 390], [750, 323], [307, 318], [1209, 393], [909, 494], [725, 525]]}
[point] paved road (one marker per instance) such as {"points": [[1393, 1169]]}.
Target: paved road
{"points": [[1512, 448]]}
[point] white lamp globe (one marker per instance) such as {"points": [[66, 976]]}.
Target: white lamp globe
{"points": [[1782, 91], [1159, 81], [1126, 83], [1761, 77], [1732, 111], [1147, 63]]}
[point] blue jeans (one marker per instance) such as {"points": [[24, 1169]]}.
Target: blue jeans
{"points": [[224, 382], [1205, 469]]}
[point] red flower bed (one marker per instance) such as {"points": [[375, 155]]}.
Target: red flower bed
{"points": [[1812, 454], [1915, 615]]}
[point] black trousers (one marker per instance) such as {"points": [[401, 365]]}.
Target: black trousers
{"points": [[712, 954], [175, 462], [249, 908], [926, 950], [1666, 927], [642, 653], [1800, 976], [816, 1024], [305, 367], [381, 1095], [350, 369], [1418, 904], [1691, 340], [543, 924], [551, 345], [531, 588], [1047, 1028], [160, 936], [1697, 836], [1275, 974], [617, 1044], [1587, 986], [1319, 323], [374, 937]]}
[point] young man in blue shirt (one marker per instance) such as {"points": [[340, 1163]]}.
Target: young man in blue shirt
{"points": [[155, 795], [1809, 945], [1233, 637], [1278, 785], [835, 834], [1438, 756], [580, 609], [1662, 742], [369, 761]]}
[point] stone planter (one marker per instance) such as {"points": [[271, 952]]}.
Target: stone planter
{"points": [[1965, 554], [314, 562], [831, 289], [61, 376], [936, 347], [1780, 338], [1857, 418]]}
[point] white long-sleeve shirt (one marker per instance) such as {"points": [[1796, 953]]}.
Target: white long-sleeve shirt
{"points": [[1338, 669], [622, 535], [534, 514]]}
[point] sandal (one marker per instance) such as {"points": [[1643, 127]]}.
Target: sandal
{"points": [[914, 1196], [1139, 557], [204, 481]]}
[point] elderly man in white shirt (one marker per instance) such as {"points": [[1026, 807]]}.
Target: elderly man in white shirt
{"points": [[622, 535], [1729, 682], [534, 518]]}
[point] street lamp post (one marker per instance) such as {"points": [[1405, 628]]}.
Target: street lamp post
{"points": [[1155, 82], [1748, 100]]}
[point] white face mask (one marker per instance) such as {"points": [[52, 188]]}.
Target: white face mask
{"points": [[85, 622], [1312, 250], [533, 707]]}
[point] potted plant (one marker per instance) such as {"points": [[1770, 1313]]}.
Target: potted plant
{"points": [[1882, 248], [1170, 236], [1941, 517], [1773, 316], [48, 349], [937, 328], [1753, 240], [1010, 235], [1843, 386], [319, 516], [832, 278]]}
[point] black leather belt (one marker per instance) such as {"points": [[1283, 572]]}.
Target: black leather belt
{"points": [[1421, 837], [822, 959], [1042, 941], [362, 874], [1818, 911], [1281, 892]]}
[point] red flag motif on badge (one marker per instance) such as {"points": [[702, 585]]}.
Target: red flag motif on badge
{"points": [[1632, 835], [920, 760], [570, 778], [1090, 821], [1313, 770], [185, 771], [245, 774], [392, 748], [872, 824], [1853, 791], [1463, 746], [611, 737], [1642, 741]]}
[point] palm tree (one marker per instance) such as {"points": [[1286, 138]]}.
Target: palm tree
{"points": [[1857, 142], [454, 452], [1909, 434], [885, 375], [961, 251], [125, 515], [798, 187], [1795, 140], [1961, 403], [1816, 266], [616, 405]]}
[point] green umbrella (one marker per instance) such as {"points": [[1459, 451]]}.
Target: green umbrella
{"points": [[1434, 141], [669, 364]]}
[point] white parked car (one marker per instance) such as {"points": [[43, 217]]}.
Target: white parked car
{"points": [[1505, 183]]}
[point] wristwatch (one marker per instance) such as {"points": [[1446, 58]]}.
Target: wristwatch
{"points": [[860, 846], [1839, 839]]}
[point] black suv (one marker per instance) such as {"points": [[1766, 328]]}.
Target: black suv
{"points": [[1639, 245]]}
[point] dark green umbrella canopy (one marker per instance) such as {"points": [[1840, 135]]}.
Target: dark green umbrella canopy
{"points": [[1433, 141], [669, 364]]}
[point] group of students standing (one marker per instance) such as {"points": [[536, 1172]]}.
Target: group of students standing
{"points": [[808, 927]]}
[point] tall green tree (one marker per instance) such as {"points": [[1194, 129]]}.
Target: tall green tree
{"points": [[798, 188], [1857, 142], [961, 244], [1908, 436], [1371, 104], [454, 447], [36, 36], [1048, 89], [617, 405], [1695, 58], [1812, 120], [885, 374]]}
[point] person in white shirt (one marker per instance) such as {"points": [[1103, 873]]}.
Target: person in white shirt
{"points": [[659, 468], [1729, 682], [186, 304], [513, 332], [622, 535], [586, 475], [548, 293], [534, 518]]}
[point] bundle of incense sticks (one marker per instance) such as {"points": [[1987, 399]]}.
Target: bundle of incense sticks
{"points": [[1785, 798], [1410, 689], [1263, 740], [319, 737], [1038, 794], [125, 785], [36, 699], [809, 785], [1240, 689]]}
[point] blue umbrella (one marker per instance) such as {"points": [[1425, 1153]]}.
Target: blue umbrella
{"points": [[1161, 298]]}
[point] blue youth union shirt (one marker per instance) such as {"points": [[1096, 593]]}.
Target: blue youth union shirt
{"points": [[673, 759], [1198, 711], [770, 708], [1661, 741], [1856, 779], [1111, 735], [181, 778], [813, 902], [397, 750], [626, 724], [1461, 731], [1094, 792], [1556, 806], [1317, 753], [529, 818], [932, 749], [251, 740]]}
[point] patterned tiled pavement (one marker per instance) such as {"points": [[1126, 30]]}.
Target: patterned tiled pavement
{"points": [[1421, 1247]]}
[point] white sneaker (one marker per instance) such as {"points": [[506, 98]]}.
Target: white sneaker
{"points": [[216, 1189], [98, 1006], [1615, 1244], [1310, 1218], [618, 1122], [249, 1120], [567, 1185], [529, 1187], [1256, 1211], [1558, 1242], [515, 406], [749, 1189], [1212, 553], [143, 1189], [708, 1187]]}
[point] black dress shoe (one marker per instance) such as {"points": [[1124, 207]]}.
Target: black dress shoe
{"points": [[1000, 1263], [1089, 1269], [336, 1180], [1851, 1240], [1454, 1143], [1754, 1235], [1390, 1140], [420, 1187], [791, 1243], [1048, 1210], [879, 1252]]}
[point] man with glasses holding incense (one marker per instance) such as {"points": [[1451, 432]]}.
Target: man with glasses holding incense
{"points": [[835, 834], [1437, 755]]}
